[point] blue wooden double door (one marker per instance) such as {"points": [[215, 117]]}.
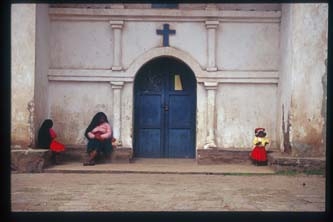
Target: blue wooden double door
{"points": [[164, 112]]}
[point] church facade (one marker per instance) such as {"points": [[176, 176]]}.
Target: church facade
{"points": [[172, 79]]}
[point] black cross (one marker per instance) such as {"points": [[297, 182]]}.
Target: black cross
{"points": [[165, 32]]}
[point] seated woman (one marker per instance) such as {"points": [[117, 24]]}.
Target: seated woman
{"points": [[46, 140], [99, 135]]}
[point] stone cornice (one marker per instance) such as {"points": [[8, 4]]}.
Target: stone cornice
{"points": [[224, 76], [88, 14]]}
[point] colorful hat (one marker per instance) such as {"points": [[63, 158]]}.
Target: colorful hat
{"points": [[257, 130]]}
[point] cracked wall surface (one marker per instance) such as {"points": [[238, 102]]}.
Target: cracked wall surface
{"points": [[302, 86]]}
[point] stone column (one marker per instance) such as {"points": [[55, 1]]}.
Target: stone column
{"points": [[211, 114], [117, 36], [211, 44], [116, 87]]}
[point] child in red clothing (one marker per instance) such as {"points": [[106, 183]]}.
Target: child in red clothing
{"points": [[46, 139], [259, 154]]}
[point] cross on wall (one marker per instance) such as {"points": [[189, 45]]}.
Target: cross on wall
{"points": [[165, 32]]}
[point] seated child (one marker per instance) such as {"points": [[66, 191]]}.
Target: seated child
{"points": [[46, 140]]}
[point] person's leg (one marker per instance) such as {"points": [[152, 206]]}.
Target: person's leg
{"points": [[107, 150], [54, 157], [91, 159]]}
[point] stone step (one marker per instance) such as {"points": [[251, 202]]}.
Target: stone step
{"points": [[224, 155], [36, 160], [79, 154], [162, 166], [284, 162]]}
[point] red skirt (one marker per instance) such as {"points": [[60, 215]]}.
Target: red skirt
{"points": [[259, 154], [55, 146]]}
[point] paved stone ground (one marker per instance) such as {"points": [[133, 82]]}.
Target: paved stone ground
{"points": [[166, 192]]}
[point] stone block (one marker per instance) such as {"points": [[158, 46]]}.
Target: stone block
{"points": [[222, 156], [284, 162], [122, 154], [30, 160]]}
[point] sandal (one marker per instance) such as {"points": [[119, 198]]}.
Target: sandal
{"points": [[89, 163]]}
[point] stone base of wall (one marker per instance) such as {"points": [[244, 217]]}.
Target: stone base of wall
{"points": [[222, 156], [283, 162], [30, 160], [122, 154], [79, 154]]}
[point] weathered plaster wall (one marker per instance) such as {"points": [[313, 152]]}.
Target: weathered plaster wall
{"points": [[138, 37], [23, 25], [248, 46], [127, 115], [84, 44], [42, 66], [201, 116], [242, 108], [310, 53], [307, 53], [285, 80], [72, 106]]}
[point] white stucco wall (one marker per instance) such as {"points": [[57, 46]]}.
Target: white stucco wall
{"points": [[83, 44], [72, 106], [41, 95], [23, 38], [310, 53], [201, 116], [139, 37], [242, 108], [248, 46], [303, 78], [285, 80], [127, 115]]}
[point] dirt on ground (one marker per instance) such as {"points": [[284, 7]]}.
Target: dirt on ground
{"points": [[166, 192]]}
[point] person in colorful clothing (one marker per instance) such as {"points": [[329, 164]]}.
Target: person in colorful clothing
{"points": [[99, 135], [46, 140], [259, 154]]}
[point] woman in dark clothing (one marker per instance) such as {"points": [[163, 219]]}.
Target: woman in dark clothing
{"points": [[99, 135], [46, 139]]}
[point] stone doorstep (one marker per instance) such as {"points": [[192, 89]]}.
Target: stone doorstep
{"points": [[281, 162]]}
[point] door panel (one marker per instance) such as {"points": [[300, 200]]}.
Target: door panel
{"points": [[180, 111], [180, 143], [150, 111], [150, 143]]}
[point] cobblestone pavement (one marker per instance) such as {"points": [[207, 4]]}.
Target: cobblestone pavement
{"points": [[166, 192]]}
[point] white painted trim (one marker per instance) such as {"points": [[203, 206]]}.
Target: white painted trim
{"points": [[128, 75], [99, 75], [88, 14]]}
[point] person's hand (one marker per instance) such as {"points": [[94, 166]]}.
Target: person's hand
{"points": [[99, 137]]}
